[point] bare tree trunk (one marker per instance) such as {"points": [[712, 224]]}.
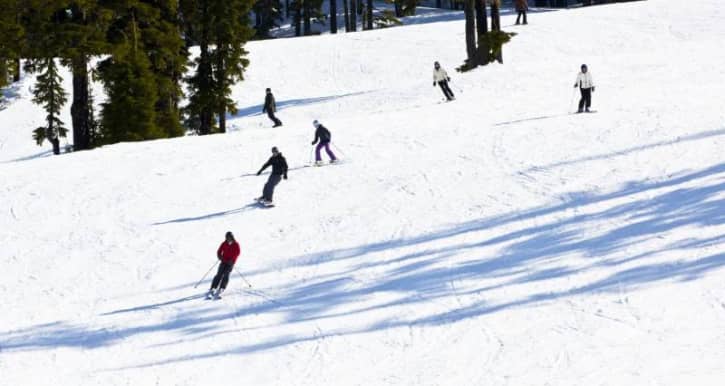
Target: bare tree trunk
{"points": [[469, 11], [80, 109], [333, 16], [307, 16], [370, 14], [16, 70], [353, 15], [346, 14], [481, 17], [298, 18]]}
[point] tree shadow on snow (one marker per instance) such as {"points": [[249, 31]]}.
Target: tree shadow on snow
{"points": [[526, 246]]}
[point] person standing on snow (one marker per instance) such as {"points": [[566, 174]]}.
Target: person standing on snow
{"points": [[227, 254], [521, 7], [586, 86], [279, 170], [270, 107], [324, 136], [440, 77]]}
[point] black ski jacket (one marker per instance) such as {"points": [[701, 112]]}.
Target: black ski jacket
{"points": [[322, 134], [278, 163], [269, 104]]}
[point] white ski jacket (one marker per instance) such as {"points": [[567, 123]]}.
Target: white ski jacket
{"points": [[440, 75], [584, 80]]}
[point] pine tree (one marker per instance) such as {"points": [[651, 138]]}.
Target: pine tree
{"points": [[49, 93], [164, 46], [81, 32], [230, 33], [220, 29], [11, 36], [129, 111], [268, 13]]}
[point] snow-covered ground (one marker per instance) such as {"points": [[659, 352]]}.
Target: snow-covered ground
{"points": [[495, 240]]}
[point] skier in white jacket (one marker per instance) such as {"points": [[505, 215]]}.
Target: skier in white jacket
{"points": [[586, 85], [440, 77]]}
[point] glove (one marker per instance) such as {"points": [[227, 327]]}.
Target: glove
{"points": [[312, 143], [258, 173], [449, 79], [574, 85], [592, 88], [285, 176], [434, 84]]}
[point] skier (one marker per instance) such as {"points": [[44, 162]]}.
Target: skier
{"points": [[324, 136], [270, 107], [441, 78], [521, 7], [227, 254], [586, 86], [279, 170]]}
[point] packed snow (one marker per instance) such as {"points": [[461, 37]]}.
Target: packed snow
{"points": [[494, 240]]}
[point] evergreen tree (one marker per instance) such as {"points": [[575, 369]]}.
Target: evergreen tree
{"points": [[267, 15], [221, 29], [164, 46], [49, 93], [129, 113], [231, 31], [81, 32], [11, 36]]}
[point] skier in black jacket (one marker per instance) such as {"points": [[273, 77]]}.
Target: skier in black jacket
{"points": [[324, 136], [270, 107], [279, 170]]}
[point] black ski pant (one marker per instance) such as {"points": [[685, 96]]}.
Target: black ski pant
{"points": [[446, 90], [586, 100], [274, 119], [222, 276], [518, 18], [268, 191]]}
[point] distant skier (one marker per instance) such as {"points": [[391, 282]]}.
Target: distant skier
{"points": [[324, 136], [270, 107], [586, 86], [441, 78], [227, 254], [279, 170], [521, 7]]}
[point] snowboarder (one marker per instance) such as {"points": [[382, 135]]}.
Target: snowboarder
{"points": [[521, 7], [270, 107], [279, 170], [586, 86], [441, 78], [227, 254], [324, 136]]}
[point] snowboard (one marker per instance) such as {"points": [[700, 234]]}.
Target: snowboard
{"points": [[263, 204]]}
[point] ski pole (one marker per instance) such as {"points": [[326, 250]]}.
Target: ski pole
{"points": [[207, 272], [245, 280], [460, 90], [338, 149], [309, 160], [573, 93]]}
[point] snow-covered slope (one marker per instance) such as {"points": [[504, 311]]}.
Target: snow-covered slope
{"points": [[495, 240]]}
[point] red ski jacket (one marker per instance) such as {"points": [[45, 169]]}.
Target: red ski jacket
{"points": [[228, 253]]}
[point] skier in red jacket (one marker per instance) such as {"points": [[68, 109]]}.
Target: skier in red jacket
{"points": [[227, 253]]}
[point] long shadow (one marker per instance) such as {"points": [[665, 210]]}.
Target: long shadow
{"points": [[42, 154], [527, 246], [152, 306], [630, 150], [281, 105], [426, 15], [530, 119], [208, 216]]}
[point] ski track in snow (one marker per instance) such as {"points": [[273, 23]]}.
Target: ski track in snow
{"points": [[494, 240]]}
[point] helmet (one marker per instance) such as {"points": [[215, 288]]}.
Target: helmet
{"points": [[229, 235], [274, 149], [316, 123]]}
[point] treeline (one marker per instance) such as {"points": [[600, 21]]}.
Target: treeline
{"points": [[139, 50]]}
